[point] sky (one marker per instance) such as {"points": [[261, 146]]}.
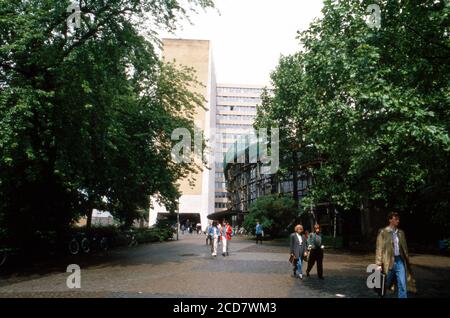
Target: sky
{"points": [[249, 36]]}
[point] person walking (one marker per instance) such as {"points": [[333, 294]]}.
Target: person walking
{"points": [[208, 235], [315, 248], [219, 226], [259, 231], [298, 250], [182, 229], [215, 234], [226, 237], [392, 256]]}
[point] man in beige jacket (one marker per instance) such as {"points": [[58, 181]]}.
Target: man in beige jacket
{"points": [[392, 256]]}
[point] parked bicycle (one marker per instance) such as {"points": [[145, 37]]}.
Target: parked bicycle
{"points": [[82, 242], [99, 243], [131, 238], [79, 242], [3, 256]]}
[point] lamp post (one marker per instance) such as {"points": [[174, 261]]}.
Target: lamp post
{"points": [[178, 219]]}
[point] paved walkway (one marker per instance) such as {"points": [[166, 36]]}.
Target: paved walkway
{"points": [[185, 268]]}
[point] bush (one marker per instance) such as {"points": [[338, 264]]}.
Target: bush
{"points": [[274, 212], [147, 236], [330, 241]]}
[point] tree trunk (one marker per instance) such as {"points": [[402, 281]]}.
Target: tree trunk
{"points": [[295, 179], [89, 217], [365, 221]]}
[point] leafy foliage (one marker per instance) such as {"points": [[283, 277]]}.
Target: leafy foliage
{"points": [[275, 213], [86, 115], [374, 104]]}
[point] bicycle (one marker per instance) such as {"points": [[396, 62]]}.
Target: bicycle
{"points": [[3, 256], [79, 242], [99, 243], [131, 239]]}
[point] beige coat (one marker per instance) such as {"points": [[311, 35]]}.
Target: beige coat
{"points": [[385, 254]]}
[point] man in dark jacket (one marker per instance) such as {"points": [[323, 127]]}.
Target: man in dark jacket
{"points": [[316, 247], [298, 250]]}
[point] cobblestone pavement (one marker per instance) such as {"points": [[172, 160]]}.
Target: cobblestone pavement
{"points": [[185, 268]]}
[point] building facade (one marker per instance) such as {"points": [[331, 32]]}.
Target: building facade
{"points": [[246, 182], [229, 117], [196, 201], [235, 116]]}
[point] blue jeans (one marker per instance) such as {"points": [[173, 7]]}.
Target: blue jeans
{"points": [[399, 272], [299, 265]]}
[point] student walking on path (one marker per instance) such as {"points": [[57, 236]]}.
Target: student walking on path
{"points": [[215, 234], [392, 257], [259, 231], [298, 250], [226, 237], [315, 251]]}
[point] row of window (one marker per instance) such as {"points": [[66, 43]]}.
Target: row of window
{"points": [[234, 99], [249, 109], [220, 195], [221, 205], [236, 117], [220, 185], [239, 90], [240, 136], [220, 175], [233, 126]]}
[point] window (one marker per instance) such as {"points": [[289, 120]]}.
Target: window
{"points": [[220, 185], [220, 175], [221, 195]]}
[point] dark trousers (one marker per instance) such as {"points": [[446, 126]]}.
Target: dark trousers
{"points": [[209, 239], [316, 255], [258, 238]]}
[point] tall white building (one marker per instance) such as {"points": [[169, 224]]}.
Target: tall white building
{"points": [[196, 201], [235, 115], [229, 115]]}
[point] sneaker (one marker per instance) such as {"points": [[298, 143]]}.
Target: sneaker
{"points": [[223, 254], [300, 276], [307, 274]]}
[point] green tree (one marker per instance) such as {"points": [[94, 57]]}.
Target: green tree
{"points": [[86, 115], [374, 104], [275, 213]]}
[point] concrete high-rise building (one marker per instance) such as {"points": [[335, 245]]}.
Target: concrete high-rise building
{"points": [[229, 116], [235, 115], [196, 201]]}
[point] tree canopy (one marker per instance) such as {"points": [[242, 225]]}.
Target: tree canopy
{"points": [[86, 114], [374, 103]]}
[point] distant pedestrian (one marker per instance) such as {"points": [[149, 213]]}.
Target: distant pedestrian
{"points": [[208, 234], [199, 228], [298, 250], [219, 226], [215, 233], [226, 237], [315, 251], [392, 257], [182, 228], [259, 232]]}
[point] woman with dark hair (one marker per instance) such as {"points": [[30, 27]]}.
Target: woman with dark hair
{"points": [[315, 248]]}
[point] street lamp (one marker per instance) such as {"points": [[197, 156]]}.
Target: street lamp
{"points": [[178, 219]]}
